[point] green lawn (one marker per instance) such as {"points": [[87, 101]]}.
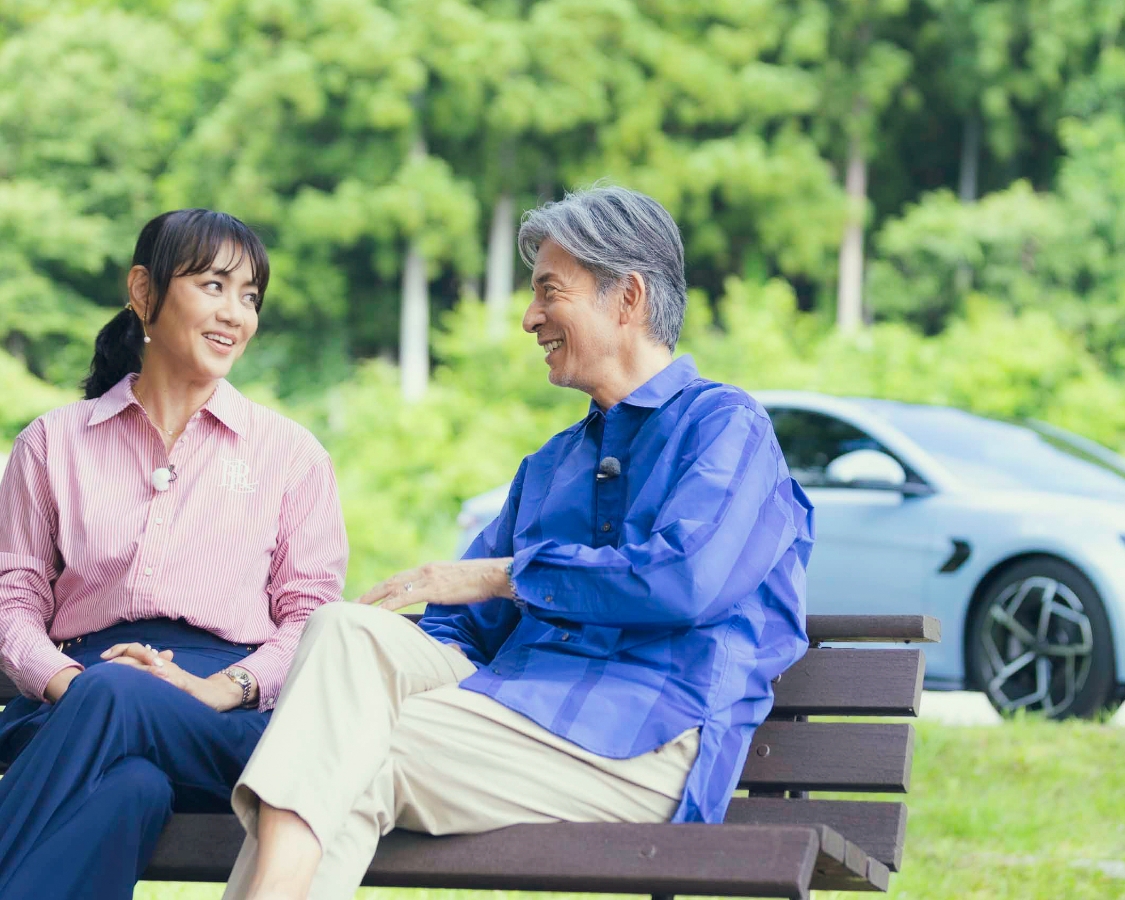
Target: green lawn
{"points": [[1023, 811]]}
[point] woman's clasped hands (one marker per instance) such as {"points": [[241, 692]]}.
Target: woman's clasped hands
{"points": [[219, 693]]}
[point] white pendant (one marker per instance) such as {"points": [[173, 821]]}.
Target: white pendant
{"points": [[161, 479]]}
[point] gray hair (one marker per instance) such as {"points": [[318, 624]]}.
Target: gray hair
{"points": [[613, 231]]}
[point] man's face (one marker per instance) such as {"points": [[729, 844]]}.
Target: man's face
{"points": [[578, 331]]}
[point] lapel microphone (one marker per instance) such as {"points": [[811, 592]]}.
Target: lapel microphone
{"points": [[610, 467], [162, 478]]}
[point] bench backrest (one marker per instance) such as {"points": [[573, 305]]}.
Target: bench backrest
{"points": [[796, 751]]}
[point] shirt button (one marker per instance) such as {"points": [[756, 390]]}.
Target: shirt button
{"points": [[564, 636], [548, 599], [608, 526], [496, 670], [159, 520], [148, 570]]}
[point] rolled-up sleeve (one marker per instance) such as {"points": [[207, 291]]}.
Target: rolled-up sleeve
{"points": [[724, 511], [307, 571], [29, 566]]}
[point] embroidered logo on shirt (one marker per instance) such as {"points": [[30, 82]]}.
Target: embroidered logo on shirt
{"points": [[236, 477]]}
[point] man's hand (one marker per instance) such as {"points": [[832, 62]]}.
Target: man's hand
{"points": [[443, 584], [59, 682], [218, 691]]}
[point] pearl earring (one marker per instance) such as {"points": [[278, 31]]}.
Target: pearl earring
{"points": [[148, 340]]}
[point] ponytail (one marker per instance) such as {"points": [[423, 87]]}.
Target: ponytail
{"points": [[117, 352]]}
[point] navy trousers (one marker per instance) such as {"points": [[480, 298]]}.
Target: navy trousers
{"points": [[94, 778]]}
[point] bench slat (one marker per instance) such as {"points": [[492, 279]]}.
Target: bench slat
{"points": [[874, 629], [614, 858], [716, 860], [830, 756], [879, 827], [847, 682], [843, 866]]}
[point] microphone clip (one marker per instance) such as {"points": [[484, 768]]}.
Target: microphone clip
{"points": [[608, 468], [163, 477]]}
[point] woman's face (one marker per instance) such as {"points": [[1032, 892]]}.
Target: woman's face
{"points": [[206, 319]]}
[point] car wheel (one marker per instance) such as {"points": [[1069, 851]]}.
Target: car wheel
{"points": [[1040, 640]]}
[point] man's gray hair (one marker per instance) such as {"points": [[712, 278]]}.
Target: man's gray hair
{"points": [[613, 231]]}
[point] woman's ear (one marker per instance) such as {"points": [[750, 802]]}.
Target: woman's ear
{"points": [[140, 291]]}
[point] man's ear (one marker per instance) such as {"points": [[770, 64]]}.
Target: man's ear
{"points": [[140, 291], [634, 298]]}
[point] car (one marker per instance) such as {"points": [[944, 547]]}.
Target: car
{"points": [[1012, 534]]}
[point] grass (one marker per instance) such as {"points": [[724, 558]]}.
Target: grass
{"points": [[1027, 810]]}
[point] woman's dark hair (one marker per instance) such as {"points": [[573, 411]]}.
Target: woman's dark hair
{"points": [[182, 242]]}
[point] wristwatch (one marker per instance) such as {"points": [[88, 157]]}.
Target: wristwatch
{"points": [[244, 681]]}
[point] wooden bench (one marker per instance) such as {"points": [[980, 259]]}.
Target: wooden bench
{"points": [[775, 842]]}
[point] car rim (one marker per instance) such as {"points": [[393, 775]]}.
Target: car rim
{"points": [[1039, 644]]}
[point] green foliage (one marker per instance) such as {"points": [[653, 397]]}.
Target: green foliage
{"points": [[25, 397], [1060, 252], [345, 129]]}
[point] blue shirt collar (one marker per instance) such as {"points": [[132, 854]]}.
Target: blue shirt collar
{"points": [[662, 387]]}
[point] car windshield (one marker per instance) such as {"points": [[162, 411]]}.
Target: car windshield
{"points": [[1000, 455]]}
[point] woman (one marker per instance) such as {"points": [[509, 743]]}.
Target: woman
{"points": [[162, 543]]}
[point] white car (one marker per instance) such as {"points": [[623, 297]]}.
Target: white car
{"points": [[1012, 535]]}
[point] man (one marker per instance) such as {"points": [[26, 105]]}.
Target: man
{"points": [[605, 649]]}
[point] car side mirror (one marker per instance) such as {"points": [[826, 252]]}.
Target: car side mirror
{"points": [[870, 469]]}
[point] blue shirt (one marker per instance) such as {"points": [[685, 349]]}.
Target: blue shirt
{"points": [[664, 599]]}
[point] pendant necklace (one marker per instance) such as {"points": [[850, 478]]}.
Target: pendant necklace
{"points": [[168, 431]]}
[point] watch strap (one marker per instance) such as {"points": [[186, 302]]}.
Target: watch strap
{"points": [[242, 679]]}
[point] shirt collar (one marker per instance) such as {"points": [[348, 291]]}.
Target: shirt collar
{"points": [[225, 404], [229, 407], [663, 386]]}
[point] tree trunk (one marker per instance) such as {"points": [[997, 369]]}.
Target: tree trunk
{"points": [[414, 321], [967, 188], [414, 329], [501, 260], [970, 159], [849, 290]]}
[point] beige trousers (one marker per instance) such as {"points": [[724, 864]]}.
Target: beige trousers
{"points": [[372, 732]]}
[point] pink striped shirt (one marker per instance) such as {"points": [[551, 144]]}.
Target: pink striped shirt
{"points": [[246, 542]]}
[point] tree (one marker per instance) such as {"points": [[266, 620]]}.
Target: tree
{"points": [[308, 129], [91, 105], [862, 74]]}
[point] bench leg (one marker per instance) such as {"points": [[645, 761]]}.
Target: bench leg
{"points": [[663, 897]]}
